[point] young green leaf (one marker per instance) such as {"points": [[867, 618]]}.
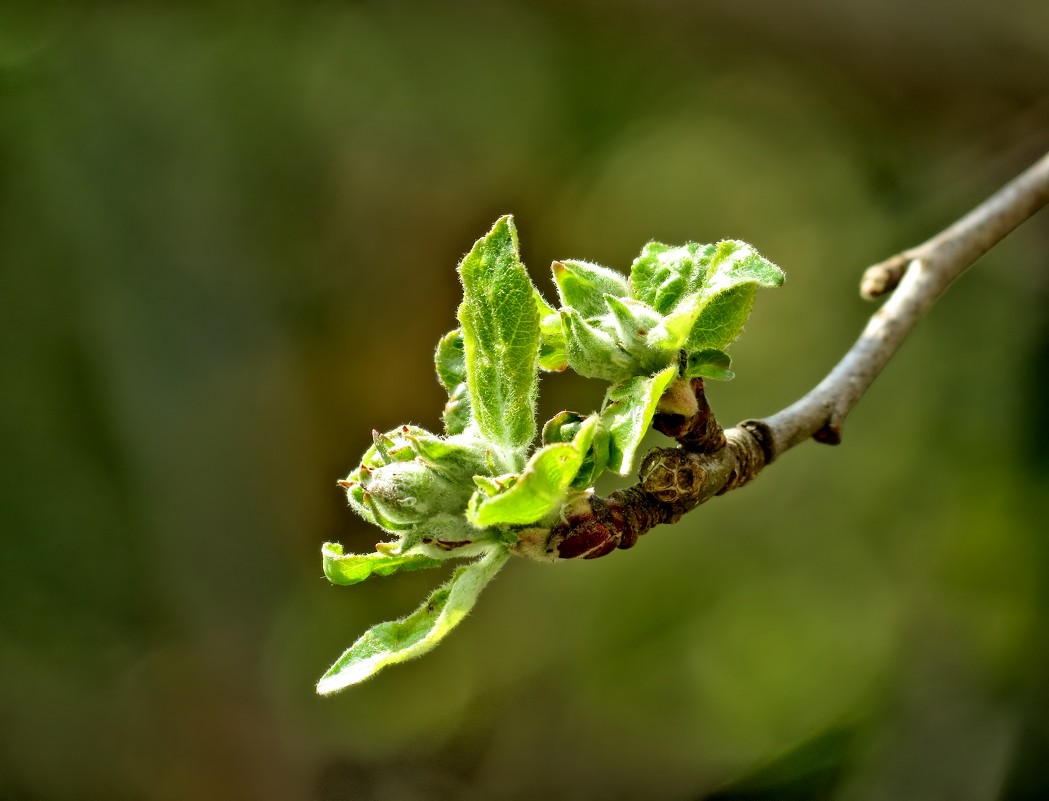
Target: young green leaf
{"points": [[541, 487], [458, 457], [551, 337], [565, 427], [538, 490], [634, 326], [709, 364], [583, 286], [663, 276], [592, 351], [631, 320], [457, 414], [351, 568], [500, 324], [722, 317], [414, 635], [450, 361], [442, 536], [629, 408], [735, 272], [668, 337]]}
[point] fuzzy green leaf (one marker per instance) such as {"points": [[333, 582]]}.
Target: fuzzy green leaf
{"points": [[552, 356], [457, 414], [541, 487], [565, 427], [629, 408], [662, 276], [592, 351], [500, 324], [709, 364], [458, 457], [631, 320], [414, 635], [722, 318], [666, 339], [450, 361], [735, 271], [583, 286], [351, 568], [441, 536]]}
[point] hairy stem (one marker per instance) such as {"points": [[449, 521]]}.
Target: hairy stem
{"points": [[672, 481]]}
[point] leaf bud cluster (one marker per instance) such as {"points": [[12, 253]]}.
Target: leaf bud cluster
{"points": [[410, 476]]}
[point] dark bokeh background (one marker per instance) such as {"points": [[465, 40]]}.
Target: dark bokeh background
{"points": [[228, 235]]}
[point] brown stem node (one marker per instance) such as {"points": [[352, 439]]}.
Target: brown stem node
{"points": [[749, 458]]}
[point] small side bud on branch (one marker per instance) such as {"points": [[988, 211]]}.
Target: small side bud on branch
{"points": [[880, 279]]}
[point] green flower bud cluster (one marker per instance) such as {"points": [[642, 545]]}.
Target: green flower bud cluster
{"points": [[416, 485]]}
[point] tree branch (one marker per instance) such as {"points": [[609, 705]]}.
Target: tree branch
{"points": [[672, 481]]}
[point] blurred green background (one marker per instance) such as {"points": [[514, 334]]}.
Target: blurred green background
{"points": [[228, 235]]}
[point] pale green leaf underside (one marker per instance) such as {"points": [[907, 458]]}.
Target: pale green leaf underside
{"points": [[351, 568], [709, 364], [628, 412], [500, 324], [541, 487], [412, 636]]}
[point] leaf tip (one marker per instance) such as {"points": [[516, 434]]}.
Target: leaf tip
{"points": [[505, 223]]}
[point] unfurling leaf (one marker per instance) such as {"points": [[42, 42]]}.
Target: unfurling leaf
{"points": [[565, 427], [500, 324], [551, 336], [593, 352], [541, 487], [351, 568], [709, 364], [450, 361], [414, 635], [628, 412]]}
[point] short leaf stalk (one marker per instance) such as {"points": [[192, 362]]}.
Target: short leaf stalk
{"points": [[483, 491]]}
